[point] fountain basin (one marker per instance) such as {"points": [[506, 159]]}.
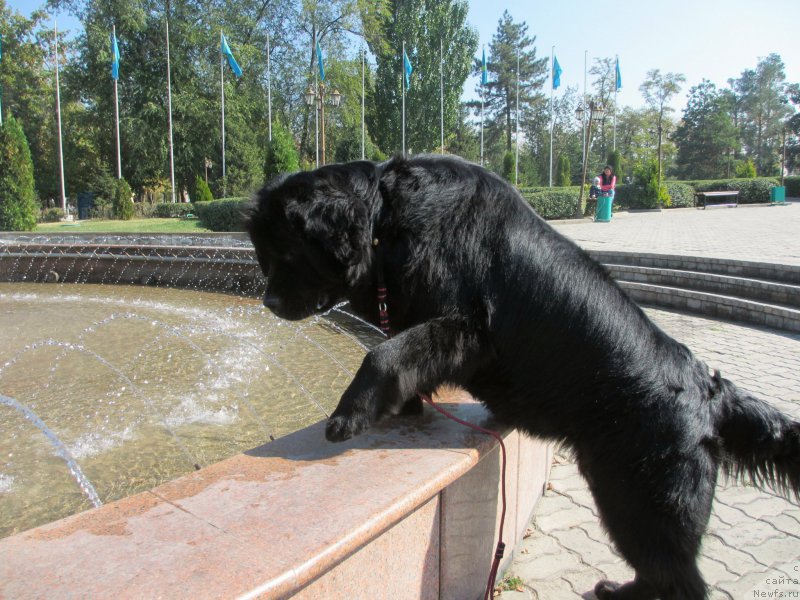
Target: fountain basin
{"points": [[407, 510]]}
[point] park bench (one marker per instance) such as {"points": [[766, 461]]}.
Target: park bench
{"points": [[704, 197]]}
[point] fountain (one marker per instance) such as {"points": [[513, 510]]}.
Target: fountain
{"points": [[108, 390]]}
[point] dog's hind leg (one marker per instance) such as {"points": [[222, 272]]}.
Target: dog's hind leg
{"points": [[656, 520]]}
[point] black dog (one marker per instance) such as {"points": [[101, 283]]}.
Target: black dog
{"points": [[485, 295]]}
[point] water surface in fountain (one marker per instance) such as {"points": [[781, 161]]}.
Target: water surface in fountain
{"points": [[140, 385]]}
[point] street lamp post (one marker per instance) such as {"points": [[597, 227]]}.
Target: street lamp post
{"points": [[319, 95], [596, 111], [208, 164]]}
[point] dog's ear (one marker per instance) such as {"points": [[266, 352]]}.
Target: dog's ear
{"points": [[337, 215]]}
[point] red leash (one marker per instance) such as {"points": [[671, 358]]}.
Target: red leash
{"points": [[383, 319], [498, 553]]}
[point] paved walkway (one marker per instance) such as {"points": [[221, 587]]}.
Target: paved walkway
{"points": [[752, 548]]}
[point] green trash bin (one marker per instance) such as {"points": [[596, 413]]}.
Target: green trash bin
{"points": [[777, 194], [603, 212]]}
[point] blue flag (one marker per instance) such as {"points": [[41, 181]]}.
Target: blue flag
{"points": [[556, 73], [484, 71], [320, 63], [114, 57], [619, 76], [408, 69], [226, 50]]}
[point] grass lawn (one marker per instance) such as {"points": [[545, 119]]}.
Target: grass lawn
{"points": [[132, 226]]}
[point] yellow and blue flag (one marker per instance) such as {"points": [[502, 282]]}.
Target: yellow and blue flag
{"points": [[484, 70], [619, 76], [556, 73], [114, 57], [226, 50], [407, 69], [320, 63]]}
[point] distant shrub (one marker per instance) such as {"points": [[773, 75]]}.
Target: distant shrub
{"points": [[746, 169], [792, 187], [681, 194], [51, 215], [18, 208], [123, 201], [553, 203], [282, 155], [167, 210], [751, 191], [563, 171], [201, 191], [222, 215]]}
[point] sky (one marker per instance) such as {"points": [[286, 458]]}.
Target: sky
{"points": [[712, 39]]}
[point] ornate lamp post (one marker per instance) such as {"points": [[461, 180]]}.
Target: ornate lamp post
{"points": [[596, 111], [333, 98], [208, 164]]}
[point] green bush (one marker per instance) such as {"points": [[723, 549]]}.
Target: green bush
{"points": [[746, 169], [282, 155], [792, 187], [123, 201], [18, 207], [553, 203], [628, 195], [51, 215], [751, 191], [508, 166], [681, 194], [222, 215], [201, 191], [168, 210], [563, 170], [652, 194]]}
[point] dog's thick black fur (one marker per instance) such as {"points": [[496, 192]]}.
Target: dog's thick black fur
{"points": [[485, 295]]}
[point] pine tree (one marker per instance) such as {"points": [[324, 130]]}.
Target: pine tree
{"points": [[18, 207], [201, 192], [563, 169], [282, 155], [123, 201]]}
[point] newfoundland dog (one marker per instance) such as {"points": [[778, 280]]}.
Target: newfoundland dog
{"points": [[485, 295]]}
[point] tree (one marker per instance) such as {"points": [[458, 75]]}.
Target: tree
{"points": [[18, 208], [500, 93], [123, 201], [764, 96], [421, 25], [563, 178], [657, 89], [706, 137], [282, 155], [614, 160], [201, 192]]}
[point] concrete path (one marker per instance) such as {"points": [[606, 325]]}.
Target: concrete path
{"points": [[752, 548]]}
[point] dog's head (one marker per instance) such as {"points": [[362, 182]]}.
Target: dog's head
{"points": [[311, 233]]}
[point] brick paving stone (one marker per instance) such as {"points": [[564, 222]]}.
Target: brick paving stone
{"points": [[754, 535]]}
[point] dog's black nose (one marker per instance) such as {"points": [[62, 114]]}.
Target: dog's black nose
{"points": [[271, 301]]}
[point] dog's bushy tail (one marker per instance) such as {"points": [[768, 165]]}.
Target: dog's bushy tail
{"points": [[758, 441]]}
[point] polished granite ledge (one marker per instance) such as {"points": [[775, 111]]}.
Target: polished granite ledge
{"points": [[407, 510]]}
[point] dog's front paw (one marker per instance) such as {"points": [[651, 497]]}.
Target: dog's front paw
{"points": [[343, 427], [606, 590]]}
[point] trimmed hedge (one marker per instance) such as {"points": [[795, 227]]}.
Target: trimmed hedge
{"points": [[553, 203], [681, 194], [222, 215], [168, 210], [51, 215], [751, 191], [792, 186]]}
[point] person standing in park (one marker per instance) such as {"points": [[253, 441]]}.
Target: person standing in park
{"points": [[608, 183]]}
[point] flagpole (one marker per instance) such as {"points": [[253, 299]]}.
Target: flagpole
{"points": [[269, 93], [169, 120], [441, 89], [583, 152], [58, 119], [116, 113], [516, 135], [552, 116], [616, 89], [484, 55], [363, 71], [316, 99], [403, 86], [222, 97]]}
